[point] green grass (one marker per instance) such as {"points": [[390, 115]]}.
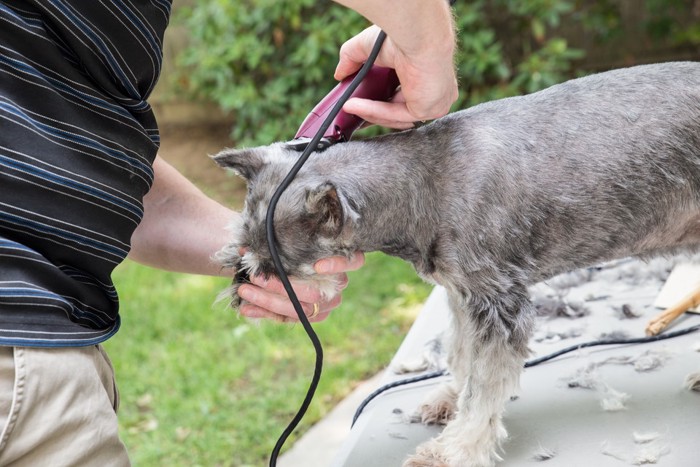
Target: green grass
{"points": [[201, 386]]}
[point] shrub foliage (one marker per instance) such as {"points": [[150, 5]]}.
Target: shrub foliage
{"points": [[270, 61]]}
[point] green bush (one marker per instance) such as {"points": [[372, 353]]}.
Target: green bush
{"points": [[270, 61]]}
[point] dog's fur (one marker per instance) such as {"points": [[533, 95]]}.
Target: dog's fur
{"points": [[485, 202]]}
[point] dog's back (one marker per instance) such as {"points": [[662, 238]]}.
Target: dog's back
{"points": [[595, 168]]}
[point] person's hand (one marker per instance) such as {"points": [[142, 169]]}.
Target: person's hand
{"points": [[427, 77], [266, 298]]}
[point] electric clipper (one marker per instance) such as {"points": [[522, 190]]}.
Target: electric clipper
{"points": [[380, 83]]}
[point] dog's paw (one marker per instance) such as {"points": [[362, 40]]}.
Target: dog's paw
{"points": [[439, 453], [465, 442], [424, 458], [440, 406]]}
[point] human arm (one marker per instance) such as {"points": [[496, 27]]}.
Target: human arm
{"points": [[420, 46], [182, 229]]}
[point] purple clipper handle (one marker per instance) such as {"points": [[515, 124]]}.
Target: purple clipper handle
{"points": [[380, 83]]}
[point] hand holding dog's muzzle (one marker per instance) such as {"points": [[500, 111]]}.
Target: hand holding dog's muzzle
{"points": [[266, 298]]}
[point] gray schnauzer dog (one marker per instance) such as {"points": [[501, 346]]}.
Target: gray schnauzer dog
{"points": [[486, 202]]}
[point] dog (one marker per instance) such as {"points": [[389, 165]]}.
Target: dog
{"points": [[485, 202]]}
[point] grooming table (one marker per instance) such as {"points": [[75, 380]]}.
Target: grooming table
{"points": [[548, 415]]}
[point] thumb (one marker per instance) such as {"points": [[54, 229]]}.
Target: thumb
{"points": [[354, 52]]}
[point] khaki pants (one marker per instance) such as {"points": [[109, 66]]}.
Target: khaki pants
{"points": [[58, 408]]}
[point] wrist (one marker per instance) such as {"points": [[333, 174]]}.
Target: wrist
{"points": [[434, 40], [416, 26]]}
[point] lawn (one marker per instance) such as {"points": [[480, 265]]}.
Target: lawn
{"points": [[201, 386]]}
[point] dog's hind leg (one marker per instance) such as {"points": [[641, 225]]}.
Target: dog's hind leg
{"points": [[488, 358]]}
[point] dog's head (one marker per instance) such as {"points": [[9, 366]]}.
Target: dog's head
{"points": [[309, 221]]}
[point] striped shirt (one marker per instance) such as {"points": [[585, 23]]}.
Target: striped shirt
{"points": [[77, 143]]}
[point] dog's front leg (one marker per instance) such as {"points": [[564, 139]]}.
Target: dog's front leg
{"points": [[489, 359], [440, 405]]}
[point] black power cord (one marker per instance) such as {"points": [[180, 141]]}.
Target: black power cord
{"points": [[529, 363], [272, 244]]}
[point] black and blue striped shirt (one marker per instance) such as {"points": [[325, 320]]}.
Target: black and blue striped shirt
{"points": [[77, 143]]}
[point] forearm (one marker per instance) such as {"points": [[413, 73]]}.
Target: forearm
{"points": [[414, 25], [182, 228]]}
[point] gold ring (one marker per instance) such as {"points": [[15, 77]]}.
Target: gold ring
{"points": [[315, 312]]}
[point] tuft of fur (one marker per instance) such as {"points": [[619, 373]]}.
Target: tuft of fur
{"points": [[432, 359], [642, 455], [486, 202], [646, 437], [626, 312], [543, 454], [692, 382], [612, 400]]}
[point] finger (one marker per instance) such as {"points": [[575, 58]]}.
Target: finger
{"points": [[255, 312], [388, 114], [345, 68], [354, 52], [274, 302], [305, 291], [342, 282], [338, 264], [282, 305], [398, 97]]}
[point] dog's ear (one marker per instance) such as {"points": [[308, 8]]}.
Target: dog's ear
{"points": [[244, 162], [325, 206]]}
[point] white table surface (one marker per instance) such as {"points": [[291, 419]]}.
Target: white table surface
{"points": [[548, 413]]}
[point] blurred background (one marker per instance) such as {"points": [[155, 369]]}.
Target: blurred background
{"points": [[199, 385]]}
